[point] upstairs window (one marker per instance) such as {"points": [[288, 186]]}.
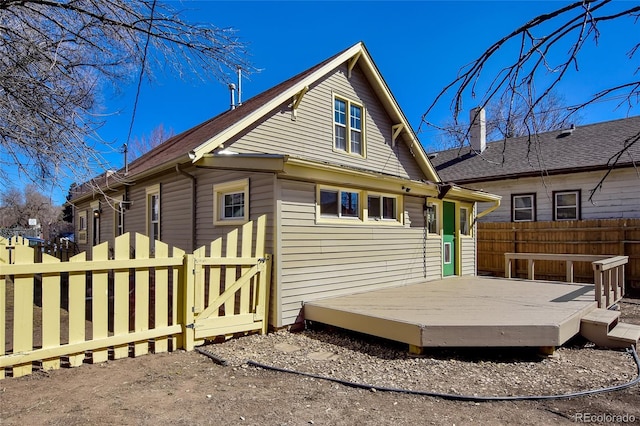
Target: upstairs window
{"points": [[348, 127], [523, 208], [566, 205]]}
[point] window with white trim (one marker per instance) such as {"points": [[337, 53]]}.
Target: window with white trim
{"points": [[82, 227], [153, 213], [119, 217], [523, 207], [465, 229], [566, 205], [431, 218], [348, 119], [231, 202]]}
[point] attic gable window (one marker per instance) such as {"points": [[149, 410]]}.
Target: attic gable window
{"points": [[348, 127]]}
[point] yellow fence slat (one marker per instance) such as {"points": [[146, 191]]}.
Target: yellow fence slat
{"points": [[77, 310], [100, 303], [3, 314], [230, 271], [247, 245], [50, 313], [161, 298], [199, 285], [215, 273], [23, 310], [121, 294], [141, 318], [178, 299]]}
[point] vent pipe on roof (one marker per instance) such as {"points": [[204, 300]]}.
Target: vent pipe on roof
{"points": [[478, 130], [239, 86], [232, 91]]}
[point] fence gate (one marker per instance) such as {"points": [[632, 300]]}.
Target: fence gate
{"points": [[230, 290]]}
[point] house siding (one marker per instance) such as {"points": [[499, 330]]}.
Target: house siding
{"points": [[619, 197], [319, 261], [261, 201], [310, 134]]}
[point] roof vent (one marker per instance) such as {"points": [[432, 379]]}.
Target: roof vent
{"points": [[567, 132]]}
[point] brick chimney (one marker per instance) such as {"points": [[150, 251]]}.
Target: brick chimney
{"points": [[478, 133]]}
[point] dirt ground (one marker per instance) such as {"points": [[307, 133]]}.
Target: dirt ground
{"points": [[189, 388]]}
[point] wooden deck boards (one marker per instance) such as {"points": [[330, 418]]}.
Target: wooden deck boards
{"points": [[463, 311]]}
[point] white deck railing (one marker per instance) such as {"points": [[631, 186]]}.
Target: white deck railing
{"points": [[608, 272]]}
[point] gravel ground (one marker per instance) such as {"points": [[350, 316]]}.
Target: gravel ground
{"points": [[482, 372], [188, 388]]}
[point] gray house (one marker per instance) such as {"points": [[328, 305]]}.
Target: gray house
{"points": [[553, 175], [351, 199]]}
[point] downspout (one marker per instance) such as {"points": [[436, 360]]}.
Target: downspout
{"points": [[483, 213], [193, 204]]}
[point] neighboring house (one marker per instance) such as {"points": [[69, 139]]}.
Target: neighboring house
{"points": [[352, 202], [551, 176]]}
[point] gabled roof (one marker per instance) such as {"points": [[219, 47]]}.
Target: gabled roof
{"points": [[590, 147], [194, 143]]}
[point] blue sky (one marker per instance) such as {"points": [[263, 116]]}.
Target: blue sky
{"points": [[419, 46]]}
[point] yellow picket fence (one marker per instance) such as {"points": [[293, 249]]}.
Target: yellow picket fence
{"points": [[128, 302]]}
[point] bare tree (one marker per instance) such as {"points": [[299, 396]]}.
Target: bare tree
{"points": [[507, 121], [17, 207], [56, 57], [143, 144], [547, 48]]}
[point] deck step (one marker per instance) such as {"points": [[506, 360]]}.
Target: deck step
{"points": [[627, 333], [601, 326], [601, 316]]}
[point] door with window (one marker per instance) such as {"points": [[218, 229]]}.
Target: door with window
{"points": [[448, 239]]}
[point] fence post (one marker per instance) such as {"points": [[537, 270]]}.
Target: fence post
{"points": [[188, 298]]}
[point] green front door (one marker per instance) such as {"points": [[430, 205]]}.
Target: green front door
{"points": [[448, 239]]}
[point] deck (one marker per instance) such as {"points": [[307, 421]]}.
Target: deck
{"points": [[463, 312]]}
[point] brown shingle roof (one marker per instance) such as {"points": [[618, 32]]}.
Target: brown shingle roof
{"points": [[180, 145], [587, 147]]}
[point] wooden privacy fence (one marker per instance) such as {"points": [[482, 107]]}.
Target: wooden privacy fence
{"points": [[126, 302], [602, 237]]}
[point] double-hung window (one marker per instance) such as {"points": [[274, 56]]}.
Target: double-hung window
{"points": [[348, 127], [566, 205], [153, 213], [523, 207]]}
